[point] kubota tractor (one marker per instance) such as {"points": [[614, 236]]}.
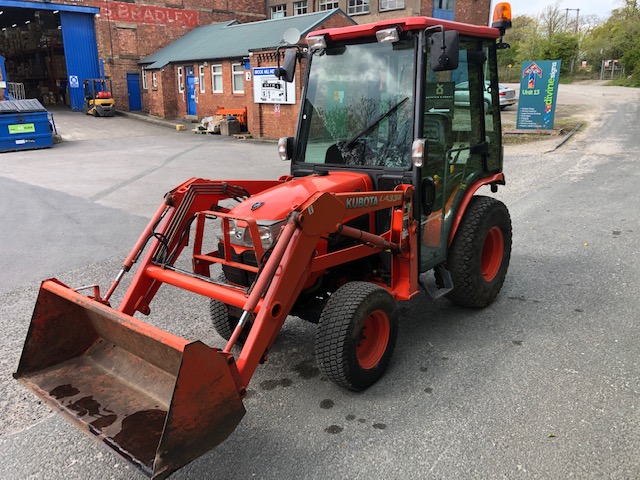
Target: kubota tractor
{"points": [[382, 192]]}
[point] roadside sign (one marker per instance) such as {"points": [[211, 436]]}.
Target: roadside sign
{"points": [[538, 92], [73, 81], [267, 88]]}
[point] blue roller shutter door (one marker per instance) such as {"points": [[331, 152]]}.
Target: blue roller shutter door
{"points": [[80, 51]]}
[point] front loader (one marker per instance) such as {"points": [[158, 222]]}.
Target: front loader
{"points": [[380, 206]]}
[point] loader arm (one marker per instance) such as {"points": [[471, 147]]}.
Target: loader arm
{"points": [[181, 205], [161, 401]]}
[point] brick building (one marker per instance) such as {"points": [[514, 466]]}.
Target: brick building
{"points": [[52, 46], [229, 65], [365, 11]]}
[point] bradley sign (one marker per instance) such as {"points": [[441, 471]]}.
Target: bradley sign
{"points": [[131, 12], [538, 92]]}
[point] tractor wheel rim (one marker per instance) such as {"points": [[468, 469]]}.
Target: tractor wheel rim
{"points": [[373, 339], [492, 253]]}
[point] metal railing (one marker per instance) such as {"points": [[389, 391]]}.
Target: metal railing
{"points": [[16, 90]]}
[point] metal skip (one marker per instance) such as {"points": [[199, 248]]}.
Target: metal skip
{"points": [[156, 399]]}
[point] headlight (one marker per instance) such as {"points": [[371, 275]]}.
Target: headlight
{"points": [[267, 229]]}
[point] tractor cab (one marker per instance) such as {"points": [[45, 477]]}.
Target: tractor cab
{"points": [[380, 93], [98, 100]]}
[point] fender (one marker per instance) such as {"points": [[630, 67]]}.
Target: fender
{"points": [[498, 178]]}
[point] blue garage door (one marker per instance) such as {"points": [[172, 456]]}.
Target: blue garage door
{"points": [[80, 51]]}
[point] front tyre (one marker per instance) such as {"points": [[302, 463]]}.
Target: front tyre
{"points": [[479, 255], [356, 335], [225, 319]]}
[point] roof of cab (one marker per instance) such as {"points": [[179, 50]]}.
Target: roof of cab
{"points": [[409, 23]]}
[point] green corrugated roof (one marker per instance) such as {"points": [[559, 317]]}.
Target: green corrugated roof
{"points": [[232, 39]]}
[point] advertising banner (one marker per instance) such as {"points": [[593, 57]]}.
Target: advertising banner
{"points": [[538, 91]]}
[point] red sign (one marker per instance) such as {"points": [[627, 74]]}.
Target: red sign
{"points": [[130, 12]]}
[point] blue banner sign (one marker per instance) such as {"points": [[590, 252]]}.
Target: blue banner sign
{"points": [[538, 92]]}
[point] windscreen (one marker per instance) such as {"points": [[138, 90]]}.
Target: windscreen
{"points": [[359, 106]]}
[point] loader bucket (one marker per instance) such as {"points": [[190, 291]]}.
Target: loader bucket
{"points": [[156, 399]]}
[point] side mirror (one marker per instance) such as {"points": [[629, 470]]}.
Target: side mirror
{"points": [[444, 51], [288, 69], [285, 148], [428, 189]]}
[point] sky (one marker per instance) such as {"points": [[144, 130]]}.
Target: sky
{"points": [[601, 8]]}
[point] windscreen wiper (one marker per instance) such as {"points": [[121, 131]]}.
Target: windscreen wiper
{"points": [[350, 143]]}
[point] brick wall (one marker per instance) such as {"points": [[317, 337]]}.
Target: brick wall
{"points": [[162, 100], [475, 12], [467, 11], [130, 30], [262, 119]]}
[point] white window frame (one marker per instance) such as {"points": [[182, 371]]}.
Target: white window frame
{"points": [[358, 7], [279, 11], [300, 8], [180, 80], [328, 5], [390, 5], [154, 80], [216, 74], [201, 77], [447, 5], [144, 79], [237, 71]]}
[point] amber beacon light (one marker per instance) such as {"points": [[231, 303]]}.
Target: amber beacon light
{"points": [[502, 16]]}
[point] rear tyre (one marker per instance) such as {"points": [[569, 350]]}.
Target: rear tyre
{"points": [[479, 255], [225, 319], [356, 335]]}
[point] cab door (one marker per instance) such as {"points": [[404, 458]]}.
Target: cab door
{"points": [[454, 125]]}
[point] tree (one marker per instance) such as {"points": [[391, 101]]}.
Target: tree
{"points": [[561, 46], [552, 20]]}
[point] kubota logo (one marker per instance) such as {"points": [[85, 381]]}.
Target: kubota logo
{"points": [[360, 202]]}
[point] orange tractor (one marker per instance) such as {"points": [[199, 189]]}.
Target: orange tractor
{"points": [[384, 172]]}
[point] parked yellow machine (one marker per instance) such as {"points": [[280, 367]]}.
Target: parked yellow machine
{"points": [[98, 100]]}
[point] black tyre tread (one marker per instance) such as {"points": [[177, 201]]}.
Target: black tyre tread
{"points": [[464, 252], [220, 319], [333, 332]]}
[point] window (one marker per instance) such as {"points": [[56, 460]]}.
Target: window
{"points": [[144, 79], [216, 78], [237, 72], [391, 4], [300, 8], [180, 79], [444, 9], [278, 11], [327, 5], [154, 80], [201, 77], [358, 6]]}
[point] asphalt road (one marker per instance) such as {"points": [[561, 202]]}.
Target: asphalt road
{"points": [[544, 383]]}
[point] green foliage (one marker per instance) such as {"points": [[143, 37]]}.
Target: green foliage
{"points": [[547, 38], [561, 46]]}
